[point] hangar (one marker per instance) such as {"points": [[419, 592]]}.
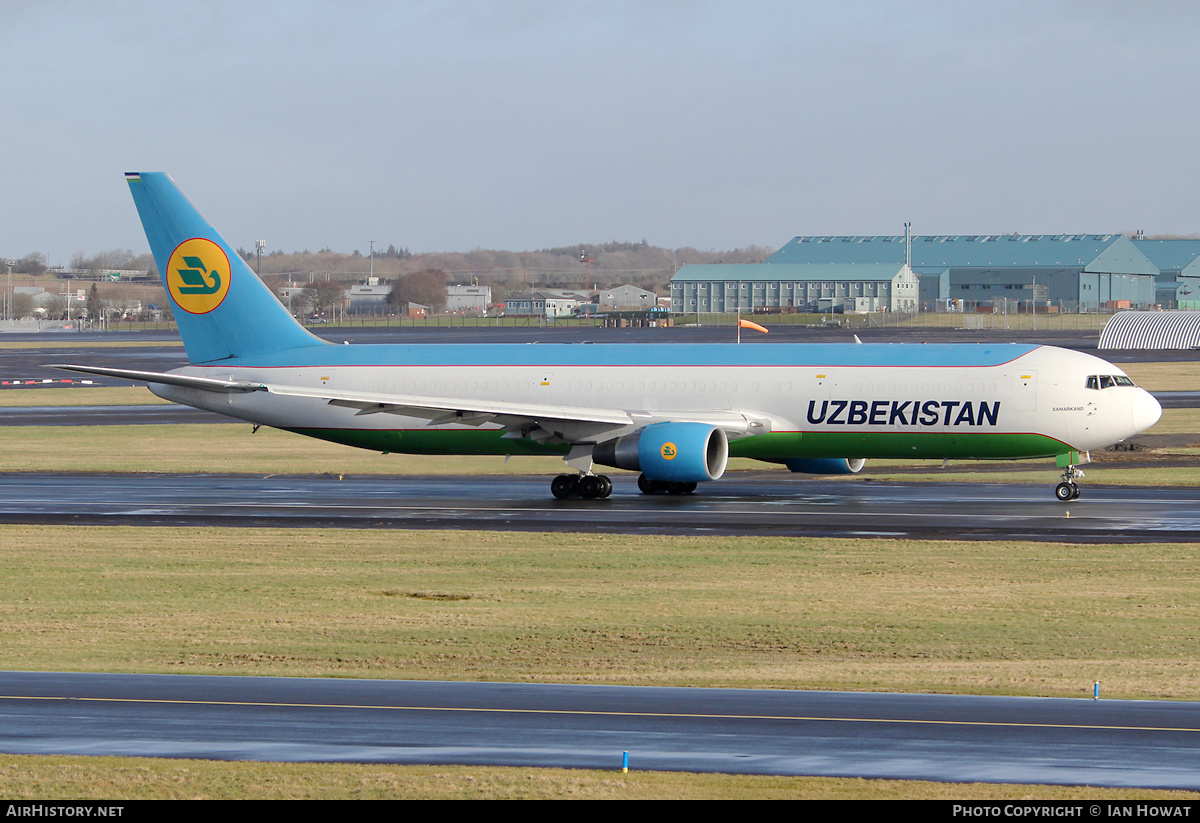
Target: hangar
{"points": [[1070, 272], [1152, 330], [783, 287], [1178, 262]]}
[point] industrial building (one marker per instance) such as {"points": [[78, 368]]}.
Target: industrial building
{"points": [[783, 287], [1178, 261], [550, 303], [627, 298], [1152, 330], [1061, 272], [468, 299], [367, 296]]}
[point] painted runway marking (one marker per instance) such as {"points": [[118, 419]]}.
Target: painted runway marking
{"points": [[596, 713]]}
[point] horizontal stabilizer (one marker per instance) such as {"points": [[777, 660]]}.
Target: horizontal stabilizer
{"points": [[186, 381]]}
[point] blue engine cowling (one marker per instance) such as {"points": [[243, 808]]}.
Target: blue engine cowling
{"points": [[825, 465], [673, 452]]}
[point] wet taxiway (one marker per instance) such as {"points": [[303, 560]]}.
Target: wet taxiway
{"points": [[758, 503], [1149, 744]]}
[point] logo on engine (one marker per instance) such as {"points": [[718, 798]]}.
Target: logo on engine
{"points": [[668, 451], [198, 275]]}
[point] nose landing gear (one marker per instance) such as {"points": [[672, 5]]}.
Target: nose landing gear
{"points": [[1068, 490]]}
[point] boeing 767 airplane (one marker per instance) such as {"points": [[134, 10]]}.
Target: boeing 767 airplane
{"points": [[674, 412]]}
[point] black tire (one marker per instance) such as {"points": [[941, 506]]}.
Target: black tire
{"points": [[590, 487], [606, 486], [1075, 495], [563, 486], [1066, 491], [648, 486]]}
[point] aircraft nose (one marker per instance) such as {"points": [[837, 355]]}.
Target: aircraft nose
{"points": [[1146, 410]]}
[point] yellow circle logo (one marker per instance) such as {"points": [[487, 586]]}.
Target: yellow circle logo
{"points": [[198, 275], [668, 451]]}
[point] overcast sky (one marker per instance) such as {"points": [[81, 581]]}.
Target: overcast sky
{"points": [[446, 126]]}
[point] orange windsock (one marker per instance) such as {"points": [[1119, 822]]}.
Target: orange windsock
{"points": [[746, 324]]}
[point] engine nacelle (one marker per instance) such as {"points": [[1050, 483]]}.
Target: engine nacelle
{"points": [[673, 452], [825, 465]]}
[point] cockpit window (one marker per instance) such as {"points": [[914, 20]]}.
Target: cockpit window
{"points": [[1107, 381]]}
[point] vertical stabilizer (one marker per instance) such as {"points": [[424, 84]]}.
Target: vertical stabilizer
{"points": [[221, 307]]}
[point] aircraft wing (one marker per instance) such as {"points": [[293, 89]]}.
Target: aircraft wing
{"points": [[570, 424], [538, 421]]}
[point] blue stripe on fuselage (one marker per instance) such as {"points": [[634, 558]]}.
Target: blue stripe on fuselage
{"points": [[815, 355]]}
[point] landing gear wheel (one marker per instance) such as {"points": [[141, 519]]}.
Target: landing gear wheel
{"points": [[564, 486], [1068, 489], [681, 488], [648, 486], [590, 487]]}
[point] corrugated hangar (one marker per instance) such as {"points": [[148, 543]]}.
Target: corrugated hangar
{"points": [[1061, 272], [1152, 330], [783, 287]]}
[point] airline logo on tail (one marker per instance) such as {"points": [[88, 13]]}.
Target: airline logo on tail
{"points": [[198, 275]]}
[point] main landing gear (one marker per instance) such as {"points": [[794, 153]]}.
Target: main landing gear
{"points": [[587, 486], [648, 486], [1067, 491]]}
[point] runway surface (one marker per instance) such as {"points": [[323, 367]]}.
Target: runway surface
{"points": [[760, 503], [892, 736], [108, 415]]}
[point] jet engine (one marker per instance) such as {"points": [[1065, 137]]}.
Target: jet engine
{"points": [[825, 465], [672, 452]]}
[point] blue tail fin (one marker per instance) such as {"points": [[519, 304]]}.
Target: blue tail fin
{"points": [[221, 307]]}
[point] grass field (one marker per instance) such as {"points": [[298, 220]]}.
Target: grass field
{"points": [[85, 778], [69, 342], [944, 616], [925, 616]]}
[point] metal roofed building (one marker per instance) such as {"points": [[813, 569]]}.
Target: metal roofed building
{"points": [[809, 287], [468, 298], [1178, 262], [628, 298], [1074, 271], [549, 303], [1152, 330]]}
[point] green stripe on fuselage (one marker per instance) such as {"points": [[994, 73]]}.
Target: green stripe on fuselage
{"points": [[776, 446], [896, 445], [416, 441]]}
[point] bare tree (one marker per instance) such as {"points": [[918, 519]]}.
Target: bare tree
{"points": [[427, 287], [324, 295]]}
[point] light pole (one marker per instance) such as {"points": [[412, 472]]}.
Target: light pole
{"points": [[8, 308]]}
